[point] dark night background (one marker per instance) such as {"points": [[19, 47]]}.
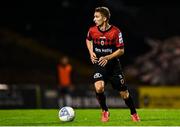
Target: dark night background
{"points": [[35, 34]]}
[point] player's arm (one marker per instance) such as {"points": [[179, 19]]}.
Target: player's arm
{"points": [[119, 52], [89, 45]]}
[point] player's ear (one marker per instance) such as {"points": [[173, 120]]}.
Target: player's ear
{"points": [[104, 19]]}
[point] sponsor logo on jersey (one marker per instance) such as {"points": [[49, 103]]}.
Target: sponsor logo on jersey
{"points": [[107, 50]]}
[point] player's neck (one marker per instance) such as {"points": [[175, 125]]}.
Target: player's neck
{"points": [[104, 27]]}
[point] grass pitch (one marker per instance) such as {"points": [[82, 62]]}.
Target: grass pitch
{"points": [[89, 117]]}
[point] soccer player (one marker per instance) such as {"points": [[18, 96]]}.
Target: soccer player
{"points": [[105, 46]]}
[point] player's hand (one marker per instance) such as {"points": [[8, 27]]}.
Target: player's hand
{"points": [[103, 61], [94, 59]]}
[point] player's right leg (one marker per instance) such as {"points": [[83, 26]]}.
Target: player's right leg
{"points": [[99, 87], [99, 78]]}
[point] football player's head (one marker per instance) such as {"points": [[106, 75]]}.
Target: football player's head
{"points": [[101, 15]]}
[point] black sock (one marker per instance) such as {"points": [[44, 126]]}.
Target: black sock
{"points": [[102, 100], [129, 102]]}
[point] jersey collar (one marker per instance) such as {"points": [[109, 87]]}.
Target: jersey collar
{"points": [[105, 30]]}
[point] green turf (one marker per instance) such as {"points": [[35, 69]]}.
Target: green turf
{"points": [[90, 117]]}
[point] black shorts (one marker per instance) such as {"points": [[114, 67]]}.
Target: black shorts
{"points": [[112, 73]]}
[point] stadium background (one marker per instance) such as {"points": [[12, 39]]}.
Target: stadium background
{"points": [[35, 34]]}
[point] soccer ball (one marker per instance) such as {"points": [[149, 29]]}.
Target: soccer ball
{"points": [[66, 114]]}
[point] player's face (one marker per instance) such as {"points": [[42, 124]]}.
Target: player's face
{"points": [[99, 19]]}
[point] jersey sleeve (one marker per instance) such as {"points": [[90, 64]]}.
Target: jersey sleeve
{"points": [[89, 36], [119, 39]]}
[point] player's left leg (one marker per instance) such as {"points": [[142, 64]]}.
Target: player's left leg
{"points": [[129, 102], [118, 84]]}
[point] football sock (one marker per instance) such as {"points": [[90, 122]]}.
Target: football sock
{"points": [[102, 100], [130, 104]]}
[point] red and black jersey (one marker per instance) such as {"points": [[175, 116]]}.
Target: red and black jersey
{"points": [[105, 42]]}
